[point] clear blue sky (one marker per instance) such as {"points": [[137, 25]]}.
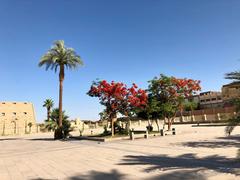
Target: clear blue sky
{"points": [[124, 40]]}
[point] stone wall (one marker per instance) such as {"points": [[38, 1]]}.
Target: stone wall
{"points": [[17, 118], [139, 124]]}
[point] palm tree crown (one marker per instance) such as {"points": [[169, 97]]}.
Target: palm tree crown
{"points": [[233, 75], [60, 55], [48, 103]]}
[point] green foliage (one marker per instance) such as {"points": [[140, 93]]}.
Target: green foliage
{"points": [[60, 55], [104, 115], [234, 121], [160, 102], [233, 75], [166, 96], [189, 106], [52, 124], [48, 103], [232, 124], [106, 132]]}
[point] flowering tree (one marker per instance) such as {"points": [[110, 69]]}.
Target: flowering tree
{"points": [[117, 98], [169, 93]]}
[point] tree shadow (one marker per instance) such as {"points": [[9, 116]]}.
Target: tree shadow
{"points": [[9, 139], [221, 142], [41, 139], [185, 161], [181, 175], [95, 175], [231, 137]]}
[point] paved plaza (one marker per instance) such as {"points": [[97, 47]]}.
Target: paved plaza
{"points": [[194, 153]]}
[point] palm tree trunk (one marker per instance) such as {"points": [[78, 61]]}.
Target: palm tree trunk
{"points": [[61, 78], [58, 134], [48, 113]]}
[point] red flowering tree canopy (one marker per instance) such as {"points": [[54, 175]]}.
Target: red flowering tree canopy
{"points": [[184, 87], [168, 94], [167, 88], [117, 98]]}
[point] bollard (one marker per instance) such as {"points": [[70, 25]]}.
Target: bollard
{"points": [[161, 132], [205, 117], [173, 131], [146, 135], [132, 135]]}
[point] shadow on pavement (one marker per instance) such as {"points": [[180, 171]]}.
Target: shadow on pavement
{"points": [[95, 175], [221, 142], [41, 139], [185, 161], [9, 139], [180, 175]]}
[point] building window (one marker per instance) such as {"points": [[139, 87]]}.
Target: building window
{"points": [[25, 113], [25, 103], [14, 113], [14, 103], [3, 103], [207, 100], [3, 114], [214, 99]]}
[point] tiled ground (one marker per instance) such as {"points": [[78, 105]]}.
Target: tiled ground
{"points": [[194, 153]]}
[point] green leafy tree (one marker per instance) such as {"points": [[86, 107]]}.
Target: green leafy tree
{"points": [[48, 103], [190, 106], [57, 58], [151, 112], [169, 93]]}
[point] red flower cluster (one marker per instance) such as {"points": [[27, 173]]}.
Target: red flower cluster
{"points": [[137, 97], [186, 87], [117, 97]]}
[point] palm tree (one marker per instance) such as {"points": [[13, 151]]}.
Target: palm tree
{"points": [[60, 57], [234, 76], [48, 103], [53, 123]]}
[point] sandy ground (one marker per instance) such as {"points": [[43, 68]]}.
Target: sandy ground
{"points": [[194, 153]]}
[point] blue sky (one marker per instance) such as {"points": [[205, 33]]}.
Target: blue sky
{"points": [[127, 40]]}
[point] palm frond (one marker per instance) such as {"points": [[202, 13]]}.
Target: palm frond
{"points": [[48, 103], [59, 55], [233, 75], [232, 124]]}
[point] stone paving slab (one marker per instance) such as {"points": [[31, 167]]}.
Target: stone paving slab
{"points": [[195, 153]]}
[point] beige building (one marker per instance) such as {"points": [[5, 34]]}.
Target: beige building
{"points": [[210, 99], [231, 91], [17, 118]]}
